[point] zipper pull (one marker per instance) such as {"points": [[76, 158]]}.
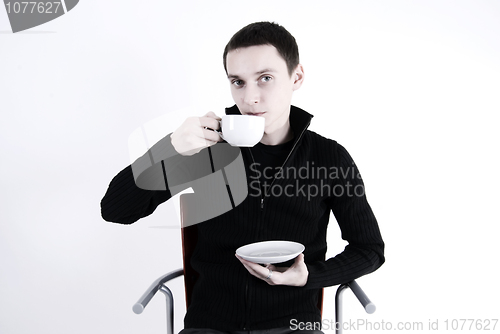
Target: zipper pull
{"points": [[262, 203]]}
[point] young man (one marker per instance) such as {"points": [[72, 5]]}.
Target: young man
{"points": [[284, 188]]}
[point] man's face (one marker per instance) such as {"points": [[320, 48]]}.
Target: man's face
{"points": [[261, 85]]}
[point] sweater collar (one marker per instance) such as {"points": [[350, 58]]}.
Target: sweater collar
{"points": [[299, 119]]}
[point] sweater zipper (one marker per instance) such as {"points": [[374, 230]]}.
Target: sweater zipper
{"points": [[281, 168], [258, 180], [247, 307]]}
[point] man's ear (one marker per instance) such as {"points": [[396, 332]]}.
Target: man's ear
{"points": [[298, 77]]}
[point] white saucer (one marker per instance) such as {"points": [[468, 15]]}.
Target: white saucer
{"points": [[270, 251]]}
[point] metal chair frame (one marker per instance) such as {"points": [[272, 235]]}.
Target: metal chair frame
{"points": [[160, 285]]}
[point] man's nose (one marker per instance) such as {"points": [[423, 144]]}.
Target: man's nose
{"points": [[252, 95]]}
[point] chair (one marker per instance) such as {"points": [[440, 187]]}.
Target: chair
{"points": [[189, 236]]}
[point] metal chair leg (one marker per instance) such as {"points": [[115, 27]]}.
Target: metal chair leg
{"points": [[338, 308], [170, 308], [359, 293]]}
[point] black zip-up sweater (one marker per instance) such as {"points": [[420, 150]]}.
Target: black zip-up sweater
{"points": [[318, 177]]}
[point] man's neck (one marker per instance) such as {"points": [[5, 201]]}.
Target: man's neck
{"points": [[280, 136]]}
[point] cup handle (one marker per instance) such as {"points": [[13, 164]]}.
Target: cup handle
{"points": [[220, 132]]}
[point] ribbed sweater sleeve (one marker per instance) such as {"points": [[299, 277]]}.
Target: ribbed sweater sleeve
{"points": [[365, 250], [126, 203], [157, 176], [138, 189]]}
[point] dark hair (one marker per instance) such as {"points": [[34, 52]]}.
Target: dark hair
{"points": [[266, 33]]}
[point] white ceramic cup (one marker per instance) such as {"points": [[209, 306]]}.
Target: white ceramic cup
{"points": [[242, 130]]}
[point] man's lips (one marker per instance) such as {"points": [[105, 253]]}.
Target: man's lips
{"points": [[255, 113]]}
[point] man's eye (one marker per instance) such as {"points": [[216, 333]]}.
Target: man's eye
{"points": [[238, 83], [266, 78]]}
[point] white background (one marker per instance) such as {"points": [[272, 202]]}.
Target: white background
{"points": [[410, 88]]}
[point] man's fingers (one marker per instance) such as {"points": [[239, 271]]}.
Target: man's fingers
{"points": [[299, 258], [196, 134], [210, 122], [251, 269], [255, 269], [211, 136], [212, 115]]}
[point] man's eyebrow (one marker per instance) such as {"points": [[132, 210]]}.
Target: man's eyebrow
{"points": [[267, 70]]}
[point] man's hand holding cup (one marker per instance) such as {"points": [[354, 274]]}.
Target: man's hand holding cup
{"points": [[196, 133]]}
